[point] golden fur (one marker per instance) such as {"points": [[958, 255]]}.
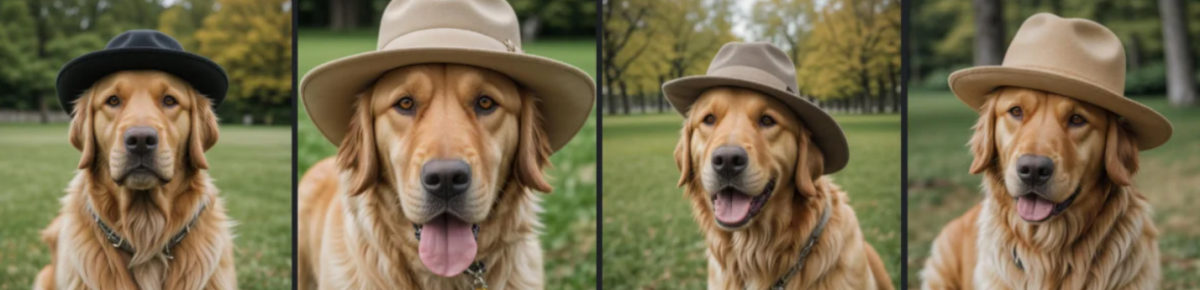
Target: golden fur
{"points": [[757, 254], [145, 211], [1105, 240], [356, 213]]}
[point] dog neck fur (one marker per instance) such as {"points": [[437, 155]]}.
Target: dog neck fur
{"points": [[147, 220], [758, 255], [1096, 243], [376, 225]]}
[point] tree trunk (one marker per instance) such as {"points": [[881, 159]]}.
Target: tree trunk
{"points": [[608, 94], [662, 97], [1181, 89], [343, 14], [624, 97], [989, 32]]}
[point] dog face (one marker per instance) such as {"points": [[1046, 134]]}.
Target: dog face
{"points": [[143, 127], [743, 144], [1048, 149], [449, 139]]}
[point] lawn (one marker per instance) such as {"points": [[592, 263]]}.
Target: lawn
{"points": [[250, 165], [650, 238], [940, 188], [569, 238]]}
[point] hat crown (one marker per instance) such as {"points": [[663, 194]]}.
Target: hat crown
{"points": [[759, 62], [1077, 47], [144, 38], [476, 24]]}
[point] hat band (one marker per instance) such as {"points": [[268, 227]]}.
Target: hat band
{"points": [[751, 74], [450, 38]]}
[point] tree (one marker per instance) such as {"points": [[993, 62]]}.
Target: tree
{"points": [[622, 18], [1181, 87], [989, 32], [252, 40]]}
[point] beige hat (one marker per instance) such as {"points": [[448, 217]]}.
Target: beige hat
{"points": [[1072, 57], [470, 32], [764, 68]]}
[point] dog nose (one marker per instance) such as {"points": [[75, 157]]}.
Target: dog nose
{"points": [[446, 179], [729, 161], [1035, 169], [141, 140]]}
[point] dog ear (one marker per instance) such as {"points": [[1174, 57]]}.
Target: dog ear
{"points": [[204, 133], [357, 153], [810, 165], [533, 147], [983, 143], [81, 130], [1120, 152], [683, 153]]}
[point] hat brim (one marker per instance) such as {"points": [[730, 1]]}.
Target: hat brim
{"points": [[81, 73], [566, 94], [826, 132], [974, 85]]}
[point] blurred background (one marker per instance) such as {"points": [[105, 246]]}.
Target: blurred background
{"points": [[1161, 39], [251, 163], [564, 30], [847, 57]]}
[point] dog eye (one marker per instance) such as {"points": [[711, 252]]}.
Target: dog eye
{"points": [[710, 119], [169, 101], [1077, 120], [767, 121], [406, 105], [485, 104], [1016, 112], [113, 101]]}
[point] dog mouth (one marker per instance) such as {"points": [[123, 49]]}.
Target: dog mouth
{"points": [[140, 174], [447, 244], [734, 208], [1032, 207]]}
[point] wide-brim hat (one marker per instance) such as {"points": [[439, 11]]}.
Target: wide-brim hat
{"points": [[764, 68], [141, 50], [1073, 57], [483, 34]]}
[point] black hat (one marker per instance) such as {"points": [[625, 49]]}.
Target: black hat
{"points": [[141, 50]]}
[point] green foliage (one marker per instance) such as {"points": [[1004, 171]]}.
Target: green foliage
{"points": [[943, 34], [34, 46], [651, 240], [250, 165], [252, 39]]}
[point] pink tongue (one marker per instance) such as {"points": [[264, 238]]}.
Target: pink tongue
{"points": [[1032, 208], [732, 207], [447, 245]]}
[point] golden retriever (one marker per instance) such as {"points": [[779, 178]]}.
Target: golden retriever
{"points": [[1059, 209], [434, 175], [143, 174], [756, 184]]}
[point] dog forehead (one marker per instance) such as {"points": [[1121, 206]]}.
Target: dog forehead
{"points": [[423, 80]]}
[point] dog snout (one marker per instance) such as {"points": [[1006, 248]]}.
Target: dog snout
{"points": [[729, 161], [1035, 169], [141, 140], [445, 178]]}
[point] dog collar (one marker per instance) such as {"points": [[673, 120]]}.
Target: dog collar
{"points": [[119, 242], [812, 240]]}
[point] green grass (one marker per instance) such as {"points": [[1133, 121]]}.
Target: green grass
{"points": [[251, 166], [650, 238], [940, 188], [569, 238]]}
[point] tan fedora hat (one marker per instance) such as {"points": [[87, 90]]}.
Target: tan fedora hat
{"points": [[481, 33], [764, 68], [1073, 57]]}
